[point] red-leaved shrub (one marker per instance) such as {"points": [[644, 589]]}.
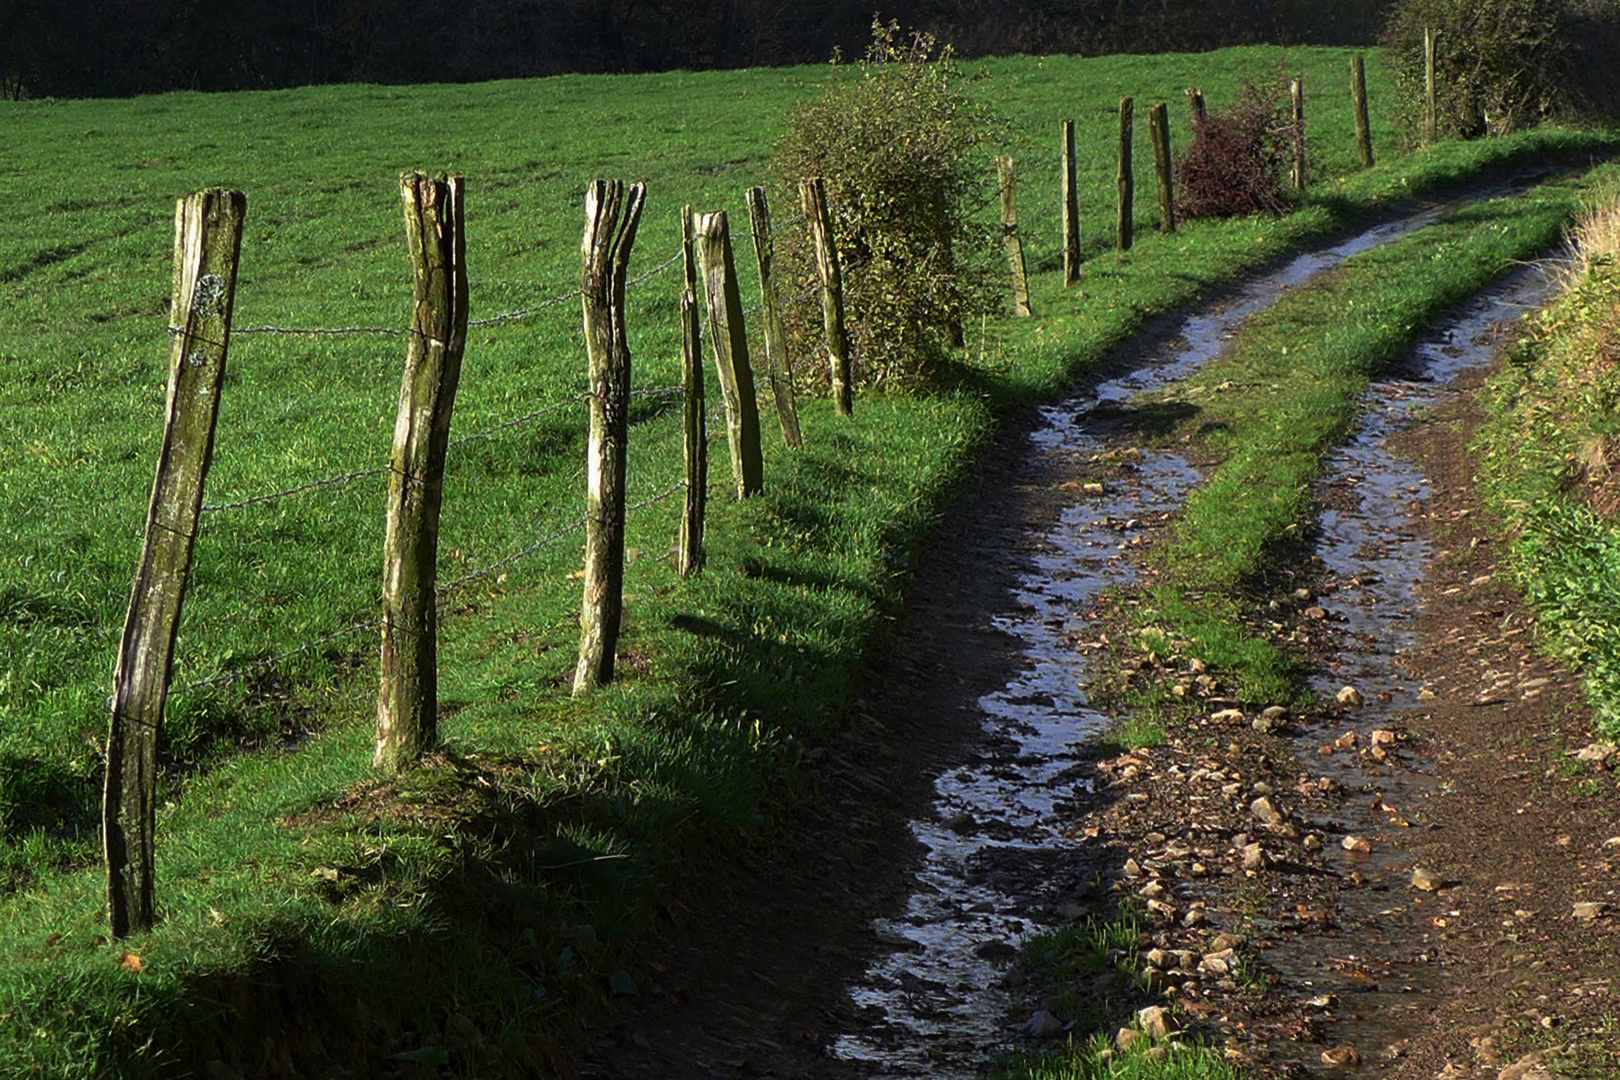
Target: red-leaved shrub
{"points": [[1237, 160]]}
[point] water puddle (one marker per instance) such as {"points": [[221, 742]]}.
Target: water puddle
{"points": [[935, 1005]]}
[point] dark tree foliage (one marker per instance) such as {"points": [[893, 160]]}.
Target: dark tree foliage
{"points": [[114, 47]]}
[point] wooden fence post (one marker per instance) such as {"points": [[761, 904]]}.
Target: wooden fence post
{"points": [[729, 337], [408, 696], [1159, 127], [207, 245], [1127, 177], [1296, 94], [1358, 97], [1195, 105], [1071, 208], [695, 423], [813, 193], [1010, 237], [1431, 107], [612, 216], [778, 365]]}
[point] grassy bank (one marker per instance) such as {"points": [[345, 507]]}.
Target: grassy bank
{"points": [[1550, 455], [469, 916]]}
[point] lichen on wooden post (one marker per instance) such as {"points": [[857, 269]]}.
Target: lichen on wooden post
{"points": [[813, 194], [1159, 128], [778, 365], [207, 247], [612, 215], [695, 428], [1009, 232], [728, 336], [1358, 98], [408, 694], [1126, 177], [1071, 208]]}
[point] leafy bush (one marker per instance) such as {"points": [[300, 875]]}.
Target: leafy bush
{"points": [[1236, 160], [904, 151], [1500, 65]]}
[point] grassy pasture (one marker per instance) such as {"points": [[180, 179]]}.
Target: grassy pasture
{"points": [[289, 862]]}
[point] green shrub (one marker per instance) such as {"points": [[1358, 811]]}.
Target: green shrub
{"points": [[1500, 65], [904, 150]]}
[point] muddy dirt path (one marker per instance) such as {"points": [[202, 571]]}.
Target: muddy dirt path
{"points": [[968, 805]]}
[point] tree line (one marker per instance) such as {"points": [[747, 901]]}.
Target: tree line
{"points": [[84, 48]]}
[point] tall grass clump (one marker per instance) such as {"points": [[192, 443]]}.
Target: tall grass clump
{"points": [[1552, 454], [903, 150]]}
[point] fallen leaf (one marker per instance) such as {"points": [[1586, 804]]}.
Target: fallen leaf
{"points": [[131, 962]]}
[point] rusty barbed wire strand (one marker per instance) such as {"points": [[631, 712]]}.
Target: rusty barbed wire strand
{"points": [[271, 496]]}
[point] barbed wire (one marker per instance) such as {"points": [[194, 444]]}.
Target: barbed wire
{"points": [[451, 587], [268, 662], [523, 313], [272, 496], [655, 271], [519, 420]]}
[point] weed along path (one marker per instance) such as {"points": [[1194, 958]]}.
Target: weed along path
{"points": [[1009, 851]]}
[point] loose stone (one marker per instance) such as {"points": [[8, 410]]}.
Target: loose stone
{"points": [[1427, 880], [1265, 811], [1350, 697], [1343, 1056], [1156, 1021], [1591, 909]]}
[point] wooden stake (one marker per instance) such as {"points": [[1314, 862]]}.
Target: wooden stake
{"points": [[605, 263], [1358, 97], [1431, 107], [728, 335], [813, 194], [207, 246], [1159, 128], [408, 697], [1127, 177], [1296, 93], [1071, 208], [778, 365], [1010, 237], [695, 424], [1195, 105]]}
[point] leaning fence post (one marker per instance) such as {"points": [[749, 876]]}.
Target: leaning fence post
{"points": [[1009, 232], [408, 696], [695, 424], [778, 365], [207, 244], [728, 336], [1196, 106], [1071, 209], [813, 193], [1159, 128], [1127, 178], [1358, 96], [1296, 94], [1431, 107], [605, 262]]}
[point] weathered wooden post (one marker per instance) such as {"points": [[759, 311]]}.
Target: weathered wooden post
{"points": [[207, 245], [695, 423], [813, 193], [728, 336], [1010, 237], [1127, 177], [612, 216], [408, 696], [1071, 208], [1195, 105], [1358, 97], [1431, 106], [778, 365], [1159, 127], [1296, 94]]}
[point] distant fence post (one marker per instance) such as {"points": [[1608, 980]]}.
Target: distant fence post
{"points": [[1358, 97], [1127, 176], [1196, 106], [778, 365], [813, 193], [1071, 208], [207, 246], [695, 424], [1296, 94], [728, 335], [1009, 231], [1431, 107], [1159, 127], [408, 696], [612, 216]]}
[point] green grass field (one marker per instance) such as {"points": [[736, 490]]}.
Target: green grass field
{"points": [[539, 837]]}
